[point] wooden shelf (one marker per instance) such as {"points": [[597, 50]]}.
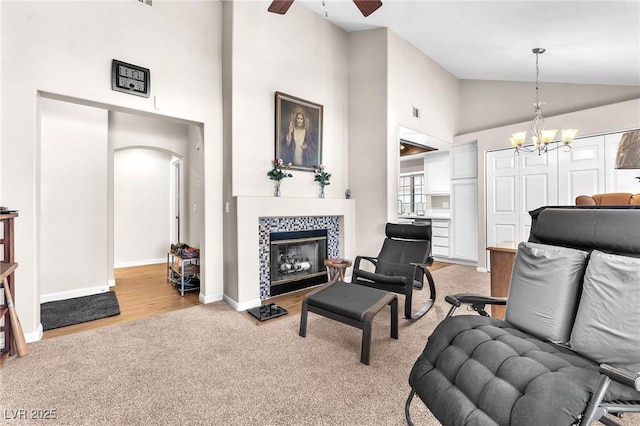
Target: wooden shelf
{"points": [[7, 269]]}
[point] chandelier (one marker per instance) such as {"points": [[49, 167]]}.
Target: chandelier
{"points": [[540, 137]]}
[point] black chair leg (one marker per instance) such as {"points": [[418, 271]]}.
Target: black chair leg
{"points": [[425, 308], [407, 405], [304, 312], [394, 318]]}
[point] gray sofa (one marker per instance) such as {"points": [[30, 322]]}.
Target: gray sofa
{"points": [[572, 324]]}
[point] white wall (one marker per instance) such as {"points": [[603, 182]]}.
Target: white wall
{"points": [[491, 104], [65, 49], [141, 206], [300, 54], [388, 78], [368, 139], [73, 201]]}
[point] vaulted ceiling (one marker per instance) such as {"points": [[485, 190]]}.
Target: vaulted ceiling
{"points": [[587, 42]]}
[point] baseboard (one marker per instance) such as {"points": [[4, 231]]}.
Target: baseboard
{"points": [[242, 306], [28, 337], [479, 269], [139, 263], [463, 262], [111, 282], [70, 294], [35, 336], [209, 299]]}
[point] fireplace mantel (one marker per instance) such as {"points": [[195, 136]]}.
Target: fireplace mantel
{"points": [[249, 211]]}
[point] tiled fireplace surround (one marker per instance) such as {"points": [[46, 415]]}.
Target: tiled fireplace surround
{"points": [[282, 224], [257, 216]]}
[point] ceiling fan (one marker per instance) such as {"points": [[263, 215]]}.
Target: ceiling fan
{"points": [[367, 7]]}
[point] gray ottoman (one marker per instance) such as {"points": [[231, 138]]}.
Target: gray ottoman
{"points": [[351, 304]]}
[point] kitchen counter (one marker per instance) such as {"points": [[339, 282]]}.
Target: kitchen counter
{"points": [[429, 214]]}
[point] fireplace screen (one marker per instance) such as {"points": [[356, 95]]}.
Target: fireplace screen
{"points": [[297, 260]]}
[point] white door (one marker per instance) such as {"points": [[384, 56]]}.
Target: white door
{"points": [[502, 196], [581, 170], [539, 187]]}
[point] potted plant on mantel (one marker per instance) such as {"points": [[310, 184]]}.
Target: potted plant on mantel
{"points": [[322, 178], [278, 173]]}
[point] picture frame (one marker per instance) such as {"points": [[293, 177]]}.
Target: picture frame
{"points": [[298, 132]]}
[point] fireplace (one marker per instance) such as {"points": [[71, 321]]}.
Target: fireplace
{"points": [[268, 226], [297, 260]]}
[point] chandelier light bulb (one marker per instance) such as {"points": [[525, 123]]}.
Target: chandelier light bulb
{"points": [[568, 135], [548, 136]]}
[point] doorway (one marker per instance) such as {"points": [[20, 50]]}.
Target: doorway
{"points": [[76, 154], [174, 215]]}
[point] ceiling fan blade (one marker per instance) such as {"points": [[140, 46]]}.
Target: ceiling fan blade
{"points": [[367, 7], [280, 6]]}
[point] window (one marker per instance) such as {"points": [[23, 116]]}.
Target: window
{"points": [[411, 193]]}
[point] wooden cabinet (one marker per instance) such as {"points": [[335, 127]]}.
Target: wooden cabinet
{"points": [[7, 268], [501, 257]]}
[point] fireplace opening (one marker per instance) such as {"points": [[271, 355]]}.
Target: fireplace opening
{"points": [[297, 260]]}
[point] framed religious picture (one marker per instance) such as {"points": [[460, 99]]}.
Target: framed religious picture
{"points": [[298, 132]]}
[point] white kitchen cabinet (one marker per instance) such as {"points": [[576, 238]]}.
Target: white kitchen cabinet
{"points": [[464, 202], [437, 174], [464, 161], [463, 239], [440, 238]]}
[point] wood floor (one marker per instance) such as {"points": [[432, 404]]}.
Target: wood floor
{"points": [[143, 291]]}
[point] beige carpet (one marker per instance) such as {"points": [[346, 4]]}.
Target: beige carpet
{"points": [[211, 365]]}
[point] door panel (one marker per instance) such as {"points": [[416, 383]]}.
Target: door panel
{"points": [[502, 196], [581, 170], [539, 177]]}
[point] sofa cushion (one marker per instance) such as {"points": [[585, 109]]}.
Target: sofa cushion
{"points": [[609, 304], [544, 290], [481, 370]]}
